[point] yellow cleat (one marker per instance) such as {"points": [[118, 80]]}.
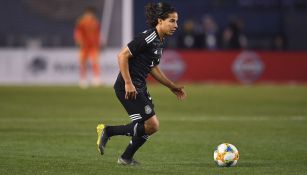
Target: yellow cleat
{"points": [[99, 128], [102, 138]]}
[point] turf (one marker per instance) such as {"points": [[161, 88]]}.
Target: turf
{"points": [[51, 130]]}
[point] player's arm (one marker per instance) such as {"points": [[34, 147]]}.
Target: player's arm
{"points": [[77, 37], [123, 58], [78, 33], [160, 77]]}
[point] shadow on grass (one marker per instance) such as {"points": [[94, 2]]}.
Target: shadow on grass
{"points": [[213, 165], [253, 164]]}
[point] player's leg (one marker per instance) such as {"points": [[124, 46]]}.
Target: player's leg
{"points": [[105, 132], [139, 110], [127, 157], [94, 55], [135, 128], [151, 126], [82, 67]]}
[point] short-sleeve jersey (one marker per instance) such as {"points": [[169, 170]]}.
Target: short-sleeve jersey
{"points": [[146, 50], [87, 31]]}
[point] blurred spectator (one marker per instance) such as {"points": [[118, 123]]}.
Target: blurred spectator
{"points": [[227, 37], [209, 32], [87, 34], [233, 36], [187, 39], [279, 42]]}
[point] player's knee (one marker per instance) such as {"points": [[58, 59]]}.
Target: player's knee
{"points": [[155, 127], [152, 128]]}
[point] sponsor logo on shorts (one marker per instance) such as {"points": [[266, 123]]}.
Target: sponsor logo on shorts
{"points": [[148, 109]]}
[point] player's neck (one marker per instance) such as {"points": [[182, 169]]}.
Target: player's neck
{"points": [[160, 33]]}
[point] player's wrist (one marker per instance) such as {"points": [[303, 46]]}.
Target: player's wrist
{"points": [[172, 85], [128, 83]]}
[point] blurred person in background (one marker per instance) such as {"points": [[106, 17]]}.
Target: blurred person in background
{"points": [[233, 36], [187, 38], [87, 35], [209, 33], [279, 42]]}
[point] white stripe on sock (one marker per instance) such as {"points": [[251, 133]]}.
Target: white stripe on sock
{"points": [[135, 115], [136, 119], [134, 129]]}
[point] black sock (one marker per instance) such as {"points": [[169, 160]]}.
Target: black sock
{"points": [[131, 129], [135, 143]]}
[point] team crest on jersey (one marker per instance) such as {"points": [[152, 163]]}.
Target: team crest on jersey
{"points": [[148, 109]]}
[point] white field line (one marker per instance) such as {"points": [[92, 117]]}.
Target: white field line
{"points": [[232, 118], [173, 119]]}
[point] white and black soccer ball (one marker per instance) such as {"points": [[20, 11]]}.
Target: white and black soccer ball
{"points": [[226, 155]]}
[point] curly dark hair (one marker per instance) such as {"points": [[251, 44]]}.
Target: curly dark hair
{"points": [[153, 11], [90, 9]]}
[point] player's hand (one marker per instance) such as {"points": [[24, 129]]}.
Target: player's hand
{"points": [[179, 92], [130, 91]]}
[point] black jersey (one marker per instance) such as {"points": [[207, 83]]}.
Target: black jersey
{"points": [[146, 50]]}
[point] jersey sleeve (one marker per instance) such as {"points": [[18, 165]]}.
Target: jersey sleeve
{"points": [[156, 62], [78, 33], [137, 45]]}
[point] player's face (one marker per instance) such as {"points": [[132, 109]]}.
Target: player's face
{"points": [[169, 25]]}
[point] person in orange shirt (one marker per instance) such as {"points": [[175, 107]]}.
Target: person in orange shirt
{"points": [[87, 36]]}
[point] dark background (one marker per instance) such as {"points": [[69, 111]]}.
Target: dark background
{"points": [[262, 21]]}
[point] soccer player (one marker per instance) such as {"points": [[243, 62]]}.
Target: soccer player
{"points": [[140, 58], [86, 35]]}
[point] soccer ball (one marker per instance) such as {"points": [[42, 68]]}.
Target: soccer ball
{"points": [[226, 155]]}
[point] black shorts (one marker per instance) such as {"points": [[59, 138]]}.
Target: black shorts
{"points": [[139, 109]]}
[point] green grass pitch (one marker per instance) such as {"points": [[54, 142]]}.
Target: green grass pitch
{"points": [[51, 130]]}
